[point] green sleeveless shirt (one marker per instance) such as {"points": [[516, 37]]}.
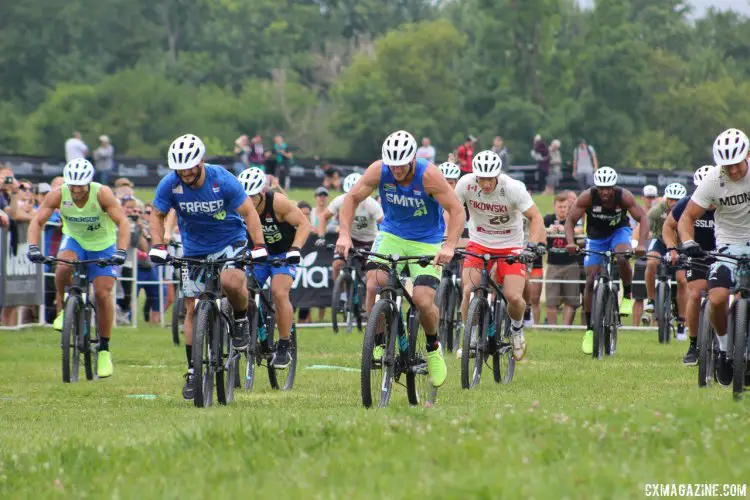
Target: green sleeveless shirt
{"points": [[90, 226]]}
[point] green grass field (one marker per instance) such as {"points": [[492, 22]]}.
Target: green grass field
{"points": [[566, 427]]}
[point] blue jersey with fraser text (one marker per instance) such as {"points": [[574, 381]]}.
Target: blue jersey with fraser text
{"points": [[410, 213], [207, 216]]}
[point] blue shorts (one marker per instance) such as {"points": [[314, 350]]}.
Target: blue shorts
{"points": [[620, 236], [92, 270], [263, 271]]}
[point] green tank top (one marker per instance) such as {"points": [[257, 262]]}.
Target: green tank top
{"points": [[90, 226]]}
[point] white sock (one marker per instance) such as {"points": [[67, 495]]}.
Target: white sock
{"points": [[517, 324], [722, 343]]}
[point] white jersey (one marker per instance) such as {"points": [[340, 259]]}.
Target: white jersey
{"points": [[366, 217], [495, 219], [732, 201]]}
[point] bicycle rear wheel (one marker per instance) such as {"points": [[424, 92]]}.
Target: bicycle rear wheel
{"points": [[707, 348], [177, 315], [503, 362], [477, 320], [376, 375], [664, 311], [599, 315], [445, 325], [253, 350], [72, 325], [740, 349], [203, 356], [610, 329], [231, 362], [291, 371], [342, 285]]}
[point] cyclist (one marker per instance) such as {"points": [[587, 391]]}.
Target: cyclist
{"points": [[451, 172], [607, 229], [285, 230], [366, 219], [413, 193], [93, 221], [648, 200], [497, 206], [697, 275], [214, 215], [727, 187], [656, 248]]}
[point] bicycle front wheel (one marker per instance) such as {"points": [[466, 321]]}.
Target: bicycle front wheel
{"points": [[663, 311], [475, 339], [70, 341], [378, 356], [740, 349], [203, 355], [599, 316], [707, 348]]}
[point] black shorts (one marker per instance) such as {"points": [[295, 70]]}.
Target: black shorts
{"points": [[698, 270], [639, 274], [357, 245]]}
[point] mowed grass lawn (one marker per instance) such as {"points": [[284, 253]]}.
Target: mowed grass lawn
{"points": [[566, 427]]}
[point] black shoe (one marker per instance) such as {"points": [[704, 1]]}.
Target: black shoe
{"points": [[281, 358], [691, 358], [188, 390], [241, 337], [724, 370]]}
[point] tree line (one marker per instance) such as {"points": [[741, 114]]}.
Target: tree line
{"points": [[643, 81]]}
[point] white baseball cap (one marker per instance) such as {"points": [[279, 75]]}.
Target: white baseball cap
{"points": [[650, 191]]}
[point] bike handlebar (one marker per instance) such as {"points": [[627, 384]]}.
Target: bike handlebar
{"points": [[423, 260], [510, 259], [99, 262]]}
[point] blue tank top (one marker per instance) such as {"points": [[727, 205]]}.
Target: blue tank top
{"points": [[410, 213], [207, 216]]}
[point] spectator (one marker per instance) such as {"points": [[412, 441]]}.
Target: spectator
{"points": [[331, 177], [465, 154], [540, 153], [137, 242], [283, 160], [585, 164], [272, 184], [649, 199], [555, 168], [123, 188], [426, 151], [304, 315], [561, 266], [75, 148], [305, 208], [104, 159], [498, 146], [321, 205], [40, 191], [6, 185], [241, 154], [21, 207], [256, 155]]}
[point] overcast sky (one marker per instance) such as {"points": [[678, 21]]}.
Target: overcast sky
{"points": [[700, 5]]}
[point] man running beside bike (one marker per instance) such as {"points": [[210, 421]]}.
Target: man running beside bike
{"points": [[497, 206], [91, 215], [285, 231], [697, 273], [727, 187], [413, 194], [607, 229], [368, 215], [657, 248], [214, 215]]}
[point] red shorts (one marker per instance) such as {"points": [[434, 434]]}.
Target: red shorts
{"points": [[503, 268]]}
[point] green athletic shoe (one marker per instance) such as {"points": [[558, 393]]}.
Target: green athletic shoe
{"points": [[626, 307], [58, 323], [587, 346], [436, 367], [104, 366], [378, 352]]}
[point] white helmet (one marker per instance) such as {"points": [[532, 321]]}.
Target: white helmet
{"points": [[399, 148], [185, 152], [486, 164], [253, 180], [731, 147], [605, 177], [450, 170], [675, 191], [350, 181], [79, 172], [701, 173]]}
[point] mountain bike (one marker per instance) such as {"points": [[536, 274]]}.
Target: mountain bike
{"points": [[261, 315], [487, 330], [605, 309], [665, 306], [381, 364], [211, 331], [708, 346], [351, 284], [178, 307], [738, 320], [448, 301], [77, 337]]}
